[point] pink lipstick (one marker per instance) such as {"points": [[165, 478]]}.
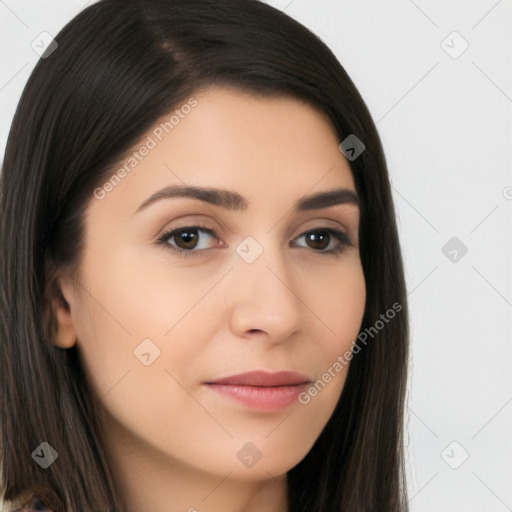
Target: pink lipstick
{"points": [[262, 390]]}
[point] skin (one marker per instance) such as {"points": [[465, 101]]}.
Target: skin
{"points": [[172, 441]]}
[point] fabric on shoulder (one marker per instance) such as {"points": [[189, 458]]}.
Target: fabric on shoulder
{"points": [[37, 504]]}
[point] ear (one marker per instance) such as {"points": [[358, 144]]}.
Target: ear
{"points": [[62, 330]]}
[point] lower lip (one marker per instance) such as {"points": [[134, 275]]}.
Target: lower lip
{"points": [[259, 397]]}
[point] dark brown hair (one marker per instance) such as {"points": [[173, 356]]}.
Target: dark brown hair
{"points": [[120, 65]]}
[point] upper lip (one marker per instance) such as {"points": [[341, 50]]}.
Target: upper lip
{"points": [[263, 378]]}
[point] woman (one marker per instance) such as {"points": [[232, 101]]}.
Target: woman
{"points": [[203, 300]]}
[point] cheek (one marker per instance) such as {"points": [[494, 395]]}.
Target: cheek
{"points": [[339, 298], [341, 308], [346, 303], [135, 313]]}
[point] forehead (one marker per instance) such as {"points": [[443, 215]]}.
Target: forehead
{"points": [[261, 147]]}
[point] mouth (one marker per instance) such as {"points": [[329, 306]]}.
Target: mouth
{"points": [[262, 390]]}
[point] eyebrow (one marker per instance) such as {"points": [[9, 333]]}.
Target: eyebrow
{"points": [[235, 202]]}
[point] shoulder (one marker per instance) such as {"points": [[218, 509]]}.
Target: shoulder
{"points": [[35, 504]]}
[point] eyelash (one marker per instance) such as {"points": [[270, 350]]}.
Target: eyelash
{"points": [[343, 239]]}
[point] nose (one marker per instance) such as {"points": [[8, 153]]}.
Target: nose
{"points": [[263, 299]]}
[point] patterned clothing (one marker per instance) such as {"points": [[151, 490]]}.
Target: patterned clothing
{"points": [[37, 504]]}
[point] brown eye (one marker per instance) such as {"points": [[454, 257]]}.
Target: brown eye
{"points": [[320, 239], [188, 239]]}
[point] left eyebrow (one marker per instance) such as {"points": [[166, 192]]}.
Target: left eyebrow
{"points": [[233, 201]]}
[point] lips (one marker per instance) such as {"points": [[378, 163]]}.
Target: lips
{"points": [[264, 379], [261, 390]]}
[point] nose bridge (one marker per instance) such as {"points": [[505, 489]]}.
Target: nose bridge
{"points": [[263, 295]]}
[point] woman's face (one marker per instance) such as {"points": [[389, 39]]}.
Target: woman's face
{"points": [[253, 291]]}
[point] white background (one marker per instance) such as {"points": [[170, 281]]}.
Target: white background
{"points": [[446, 128]]}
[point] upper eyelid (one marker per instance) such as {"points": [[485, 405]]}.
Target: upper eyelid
{"points": [[345, 225], [212, 231]]}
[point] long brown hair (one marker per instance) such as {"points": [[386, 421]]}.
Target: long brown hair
{"points": [[119, 66]]}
